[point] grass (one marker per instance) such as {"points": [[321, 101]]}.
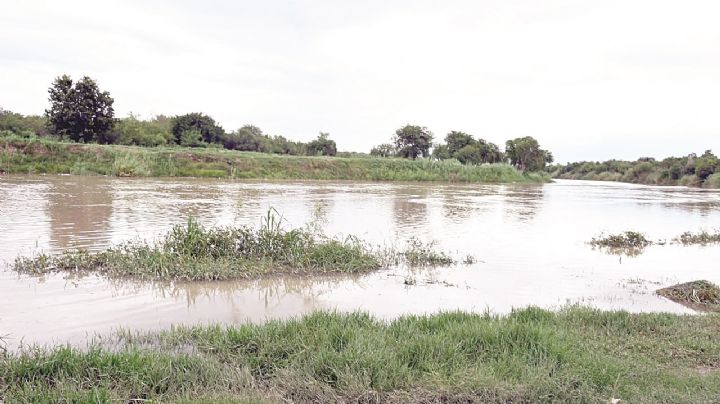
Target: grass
{"points": [[194, 252], [700, 295], [41, 155], [702, 237], [532, 355]]}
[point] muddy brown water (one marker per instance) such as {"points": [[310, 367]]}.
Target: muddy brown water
{"points": [[529, 242]]}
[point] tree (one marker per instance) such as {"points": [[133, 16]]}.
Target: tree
{"points": [[525, 153], [383, 150], [322, 146], [441, 152], [412, 141], [457, 140], [210, 131], [79, 111], [480, 152]]}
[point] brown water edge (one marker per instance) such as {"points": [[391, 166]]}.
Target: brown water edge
{"points": [[529, 241]]}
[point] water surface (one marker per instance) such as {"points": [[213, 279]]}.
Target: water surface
{"points": [[529, 242]]}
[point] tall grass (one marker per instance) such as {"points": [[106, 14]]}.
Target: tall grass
{"points": [[532, 355], [41, 155], [194, 252]]}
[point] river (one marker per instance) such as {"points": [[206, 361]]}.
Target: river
{"points": [[529, 242]]}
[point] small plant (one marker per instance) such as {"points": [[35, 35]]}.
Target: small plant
{"points": [[628, 239], [703, 238], [419, 253]]}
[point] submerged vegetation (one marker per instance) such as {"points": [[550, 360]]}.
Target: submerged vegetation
{"points": [[630, 240], [194, 252], [699, 295], [702, 237], [47, 156], [532, 355], [693, 170]]}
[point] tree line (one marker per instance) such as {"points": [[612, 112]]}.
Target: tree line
{"points": [[412, 141], [691, 170], [81, 112]]}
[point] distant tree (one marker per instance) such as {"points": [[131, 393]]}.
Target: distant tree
{"points": [[253, 129], [479, 152], [18, 123], [525, 153], [134, 131], [457, 140], [79, 111], [706, 165], [192, 138], [441, 152], [383, 150], [412, 141], [210, 131], [323, 146]]}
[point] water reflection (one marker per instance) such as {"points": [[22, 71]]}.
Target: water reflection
{"points": [[79, 210]]}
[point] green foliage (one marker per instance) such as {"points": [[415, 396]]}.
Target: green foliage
{"points": [[531, 355], [412, 141], [194, 252], [210, 131], [192, 138], [479, 152], [703, 237], [628, 239], [322, 146], [702, 295], [688, 171], [23, 124], [80, 112], [525, 153], [383, 150], [42, 155], [456, 141], [137, 132]]}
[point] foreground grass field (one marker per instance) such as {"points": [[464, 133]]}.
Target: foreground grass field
{"points": [[41, 155], [532, 355]]}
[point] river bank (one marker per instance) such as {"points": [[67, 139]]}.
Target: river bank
{"points": [[46, 156], [574, 355]]}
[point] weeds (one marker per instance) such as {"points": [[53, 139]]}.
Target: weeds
{"points": [[628, 239], [701, 295], [703, 238], [194, 252], [531, 355]]}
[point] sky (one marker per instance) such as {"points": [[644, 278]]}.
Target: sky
{"points": [[591, 80]]}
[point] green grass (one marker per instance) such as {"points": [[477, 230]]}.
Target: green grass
{"points": [[42, 155], [194, 252], [532, 355]]}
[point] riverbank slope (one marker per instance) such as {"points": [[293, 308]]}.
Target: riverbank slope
{"points": [[46, 156]]}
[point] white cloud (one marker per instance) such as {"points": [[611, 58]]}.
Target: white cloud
{"points": [[589, 79]]}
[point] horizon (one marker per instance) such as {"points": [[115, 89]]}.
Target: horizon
{"points": [[602, 81]]}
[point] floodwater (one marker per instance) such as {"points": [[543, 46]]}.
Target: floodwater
{"points": [[529, 242]]}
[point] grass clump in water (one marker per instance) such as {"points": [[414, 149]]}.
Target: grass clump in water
{"points": [[418, 253], [193, 252], [628, 239], [531, 355], [703, 238], [700, 295]]}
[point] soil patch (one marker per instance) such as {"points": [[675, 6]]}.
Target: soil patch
{"points": [[698, 295]]}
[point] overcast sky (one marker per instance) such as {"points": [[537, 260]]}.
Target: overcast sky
{"points": [[589, 79]]}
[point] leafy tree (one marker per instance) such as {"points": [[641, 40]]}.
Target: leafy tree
{"points": [[525, 153], [18, 123], [706, 165], [412, 141], [441, 152], [457, 140], [480, 152], [134, 131], [210, 131], [192, 138], [322, 146], [79, 111], [383, 150]]}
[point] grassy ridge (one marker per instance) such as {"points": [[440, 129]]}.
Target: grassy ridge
{"points": [[40, 155], [575, 355]]}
